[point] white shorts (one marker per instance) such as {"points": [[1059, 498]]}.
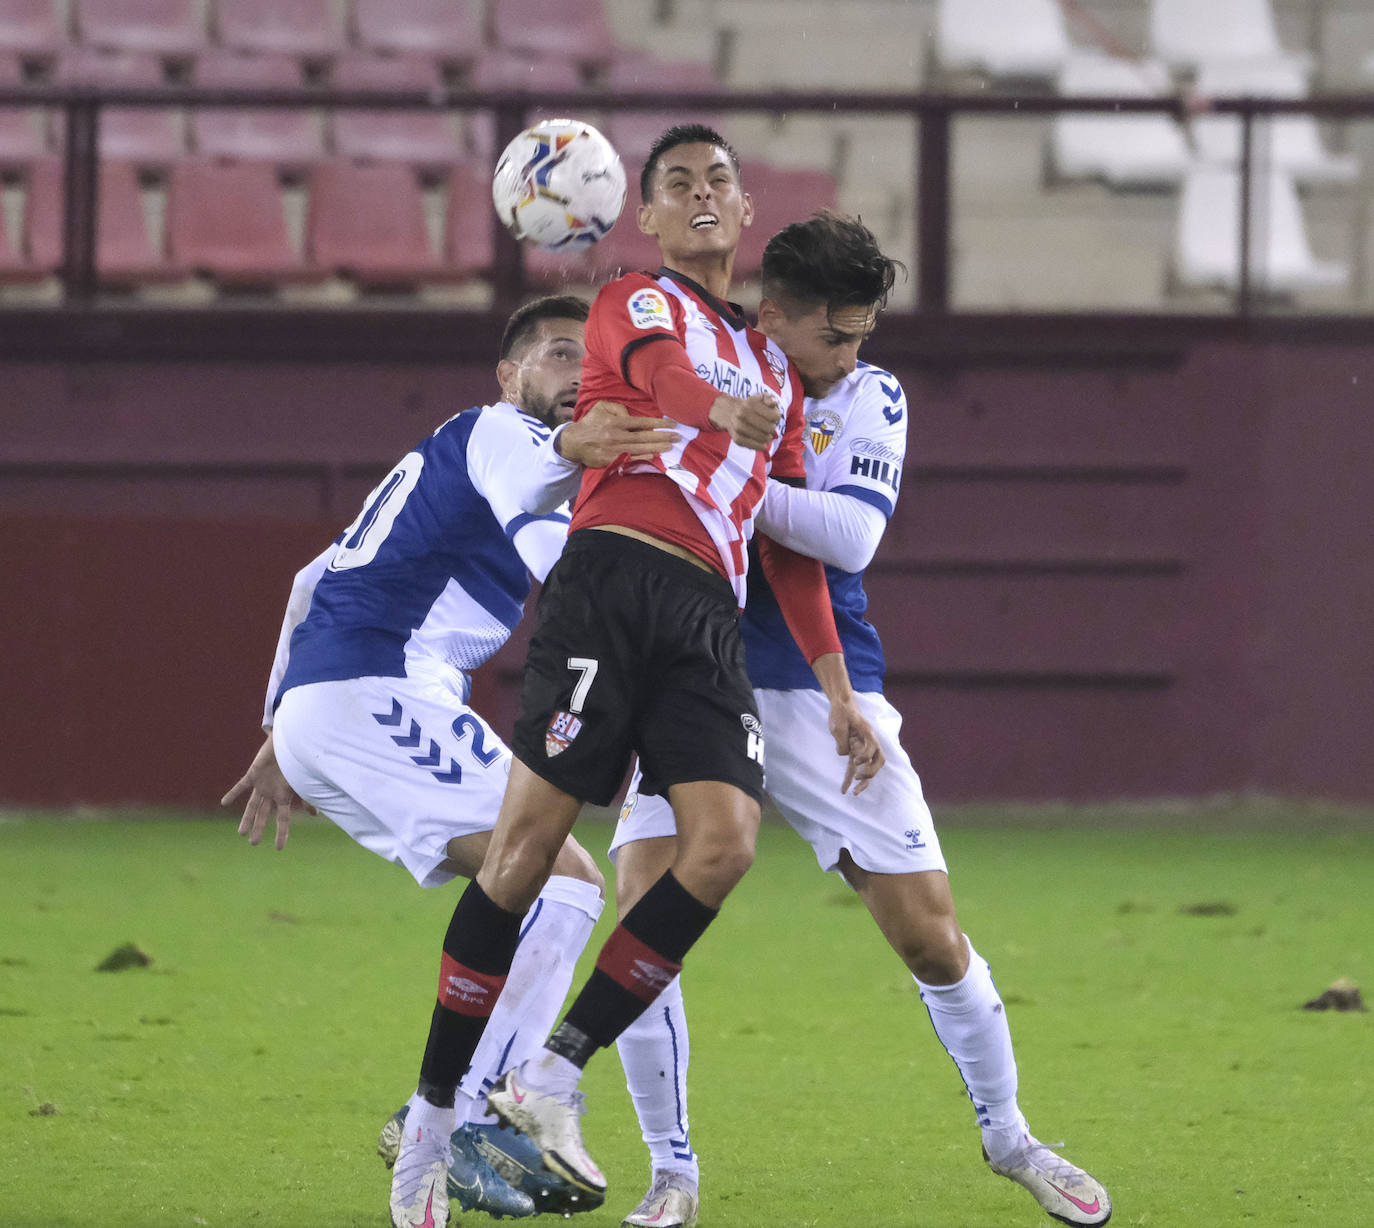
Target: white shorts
{"points": [[887, 829], [401, 764]]}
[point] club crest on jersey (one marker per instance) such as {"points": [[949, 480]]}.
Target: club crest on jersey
{"points": [[649, 309], [777, 364], [561, 731], [822, 429]]}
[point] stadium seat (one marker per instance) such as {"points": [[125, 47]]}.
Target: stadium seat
{"points": [[1141, 150], [1287, 142], [30, 27], [287, 136], [21, 128], [633, 132], [147, 135], [227, 219], [126, 253], [506, 71], [781, 194], [427, 139], [1186, 33], [367, 222], [470, 222], [1003, 38], [576, 29], [449, 31], [304, 28], [163, 27], [1207, 237]]}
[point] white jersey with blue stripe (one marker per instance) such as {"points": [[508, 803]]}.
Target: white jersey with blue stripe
{"points": [[432, 576], [856, 446]]}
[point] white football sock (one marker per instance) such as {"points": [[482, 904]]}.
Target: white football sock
{"points": [[552, 936], [971, 1023], [654, 1051], [429, 1118]]}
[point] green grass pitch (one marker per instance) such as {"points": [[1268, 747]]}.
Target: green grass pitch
{"points": [[1153, 963]]}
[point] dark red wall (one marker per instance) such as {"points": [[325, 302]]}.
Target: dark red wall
{"points": [[1111, 574]]}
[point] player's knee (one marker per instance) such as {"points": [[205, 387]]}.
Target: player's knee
{"points": [[723, 861], [936, 953]]}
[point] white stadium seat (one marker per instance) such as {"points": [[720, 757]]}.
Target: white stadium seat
{"points": [[1207, 239], [1187, 33], [1286, 142], [1138, 150], [1004, 38]]}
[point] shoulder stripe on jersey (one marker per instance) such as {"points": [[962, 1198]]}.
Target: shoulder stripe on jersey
{"points": [[632, 345], [864, 494], [525, 518]]}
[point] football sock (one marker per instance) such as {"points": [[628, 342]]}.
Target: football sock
{"points": [[552, 936], [643, 953], [427, 1120], [971, 1022], [478, 949], [654, 1050]]}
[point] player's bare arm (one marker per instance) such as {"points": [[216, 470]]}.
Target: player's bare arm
{"points": [[268, 795], [752, 422], [854, 737], [608, 430]]}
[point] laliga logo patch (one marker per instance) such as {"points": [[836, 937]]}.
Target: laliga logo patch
{"points": [[561, 731], [822, 430], [649, 309]]}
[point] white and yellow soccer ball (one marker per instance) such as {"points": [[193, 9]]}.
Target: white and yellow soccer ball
{"points": [[559, 185]]}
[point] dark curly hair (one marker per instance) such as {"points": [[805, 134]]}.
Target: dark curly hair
{"points": [[831, 259], [525, 319]]}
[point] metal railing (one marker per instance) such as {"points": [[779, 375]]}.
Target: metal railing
{"points": [[933, 115]]}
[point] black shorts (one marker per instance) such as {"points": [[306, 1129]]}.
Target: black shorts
{"points": [[636, 650]]}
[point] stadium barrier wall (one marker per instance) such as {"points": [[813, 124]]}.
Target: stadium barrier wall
{"points": [[1115, 572]]}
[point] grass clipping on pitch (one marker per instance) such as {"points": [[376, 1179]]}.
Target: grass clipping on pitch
{"points": [[1154, 975]]}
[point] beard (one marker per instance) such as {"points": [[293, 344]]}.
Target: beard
{"points": [[535, 403]]}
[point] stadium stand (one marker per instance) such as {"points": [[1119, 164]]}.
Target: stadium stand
{"points": [[1003, 38], [448, 31], [1125, 151], [426, 140], [305, 28], [1287, 142], [21, 128], [1208, 240], [572, 29], [163, 27], [30, 27], [1186, 34], [286, 136], [149, 136], [470, 221]]}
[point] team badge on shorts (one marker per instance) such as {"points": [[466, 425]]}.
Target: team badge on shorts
{"points": [[561, 731]]}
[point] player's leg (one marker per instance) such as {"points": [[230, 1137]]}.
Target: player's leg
{"points": [[655, 1049]]}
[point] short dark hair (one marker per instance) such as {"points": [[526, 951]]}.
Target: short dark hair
{"points": [[681, 134], [525, 319], [829, 259]]}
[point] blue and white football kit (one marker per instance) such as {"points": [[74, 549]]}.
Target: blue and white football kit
{"points": [[855, 447]]}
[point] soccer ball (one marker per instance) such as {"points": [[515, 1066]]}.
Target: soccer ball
{"points": [[559, 185]]}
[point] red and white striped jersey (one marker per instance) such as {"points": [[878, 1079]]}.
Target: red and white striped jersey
{"points": [[722, 482]]}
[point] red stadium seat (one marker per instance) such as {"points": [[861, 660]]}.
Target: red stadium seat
{"points": [[781, 194], [422, 138], [146, 135], [367, 222], [576, 29], [165, 27], [227, 219], [30, 27], [499, 70], [634, 132], [288, 136], [445, 30], [21, 128], [294, 27], [126, 253], [470, 226]]}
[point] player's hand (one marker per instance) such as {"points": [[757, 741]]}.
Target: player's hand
{"points": [[855, 739], [751, 421], [608, 430], [268, 795]]}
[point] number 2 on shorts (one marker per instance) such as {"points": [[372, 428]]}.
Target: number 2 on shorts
{"points": [[586, 666]]}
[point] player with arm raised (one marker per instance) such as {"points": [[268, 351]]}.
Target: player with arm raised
{"points": [[636, 646], [367, 717], [824, 281]]}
